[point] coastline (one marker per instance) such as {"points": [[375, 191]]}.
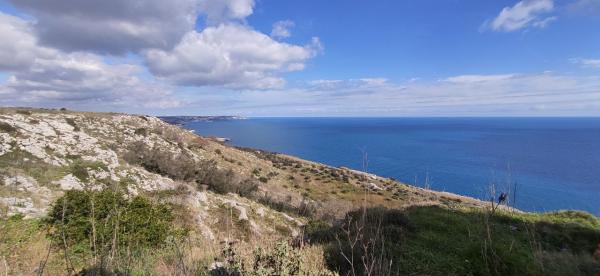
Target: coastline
{"points": [[536, 183]]}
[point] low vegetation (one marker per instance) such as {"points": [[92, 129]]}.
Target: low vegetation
{"points": [[4, 127], [108, 227], [183, 167], [438, 241], [158, 200]]}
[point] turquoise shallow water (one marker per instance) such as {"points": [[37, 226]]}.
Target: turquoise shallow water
{"points": [[554, 161]]}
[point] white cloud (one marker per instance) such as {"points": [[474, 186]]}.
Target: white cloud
{"points": [[220, 11], [41, 74], [110, 26], [348, 86], [19, 49], [281, 29], [544, 22], [523, 14], [543, 94], [374, 81], [590, 63], [468, 79], [230, 55], [57, 56], [84, 77]]}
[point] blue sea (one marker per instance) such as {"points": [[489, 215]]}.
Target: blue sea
{"points": [[554, 163]]}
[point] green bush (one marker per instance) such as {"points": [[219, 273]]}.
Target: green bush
{"points": [[79, 168], [141, 131], [23, 112], [4, 127], [116, 221], [72, 123], [316, 231]]}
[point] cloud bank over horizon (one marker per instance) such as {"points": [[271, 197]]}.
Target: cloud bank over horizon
{"points": [[218, 57]]}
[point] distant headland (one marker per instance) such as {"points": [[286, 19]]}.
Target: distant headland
{"points": [[180, 120]]}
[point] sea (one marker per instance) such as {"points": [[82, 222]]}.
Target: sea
{"points": [[545, 164]]}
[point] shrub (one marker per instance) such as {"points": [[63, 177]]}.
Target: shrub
{"points": [[304, 209], [316, 231], [141, 131], [79, 167], [114, 220], [280, 260], [72, 123], [23, 112], [180, 167], [365, 244], [247, 187], [5, 127], [263, 179], [220, 181], [185, 168], [79, 170]]}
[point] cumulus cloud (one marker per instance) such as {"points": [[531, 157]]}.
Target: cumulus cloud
{"points": [[42, 74], [231, 55], [111, 26], [60, 54], [281, 29], [523, 14], [84, 77], [19, 49], [220, 11], [61, 49]]}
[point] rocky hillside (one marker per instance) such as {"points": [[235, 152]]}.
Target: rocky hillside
{"points": [[44, 152], [218, 192]]}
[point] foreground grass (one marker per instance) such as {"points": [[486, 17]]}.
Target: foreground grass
{"points": [[426, 240], [461, 242], [433, 240]]}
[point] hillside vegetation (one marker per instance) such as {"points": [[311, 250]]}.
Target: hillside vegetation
{"points": [[105, 194]]}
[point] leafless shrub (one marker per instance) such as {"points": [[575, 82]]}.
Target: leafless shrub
{"points": [[362, 241]]}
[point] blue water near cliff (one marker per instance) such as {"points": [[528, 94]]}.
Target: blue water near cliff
{"points": [[554, 161]]}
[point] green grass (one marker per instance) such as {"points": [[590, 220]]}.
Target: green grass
{"points": [[24, 163], [79, 168], [16, 231], [439, 241]]}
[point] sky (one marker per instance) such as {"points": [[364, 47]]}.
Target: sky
{"points": [[303, 58]]}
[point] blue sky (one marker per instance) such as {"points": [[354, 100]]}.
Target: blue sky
{"points": [[304, 58], [429, 39]]}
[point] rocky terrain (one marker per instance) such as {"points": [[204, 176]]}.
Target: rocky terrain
{"points": [[44, 153], [55, 141]]}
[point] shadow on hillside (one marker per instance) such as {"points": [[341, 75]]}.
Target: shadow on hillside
{"points": [[436, 240]]}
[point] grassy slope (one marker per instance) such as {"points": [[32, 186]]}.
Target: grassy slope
{"points": [[443, 233]]}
